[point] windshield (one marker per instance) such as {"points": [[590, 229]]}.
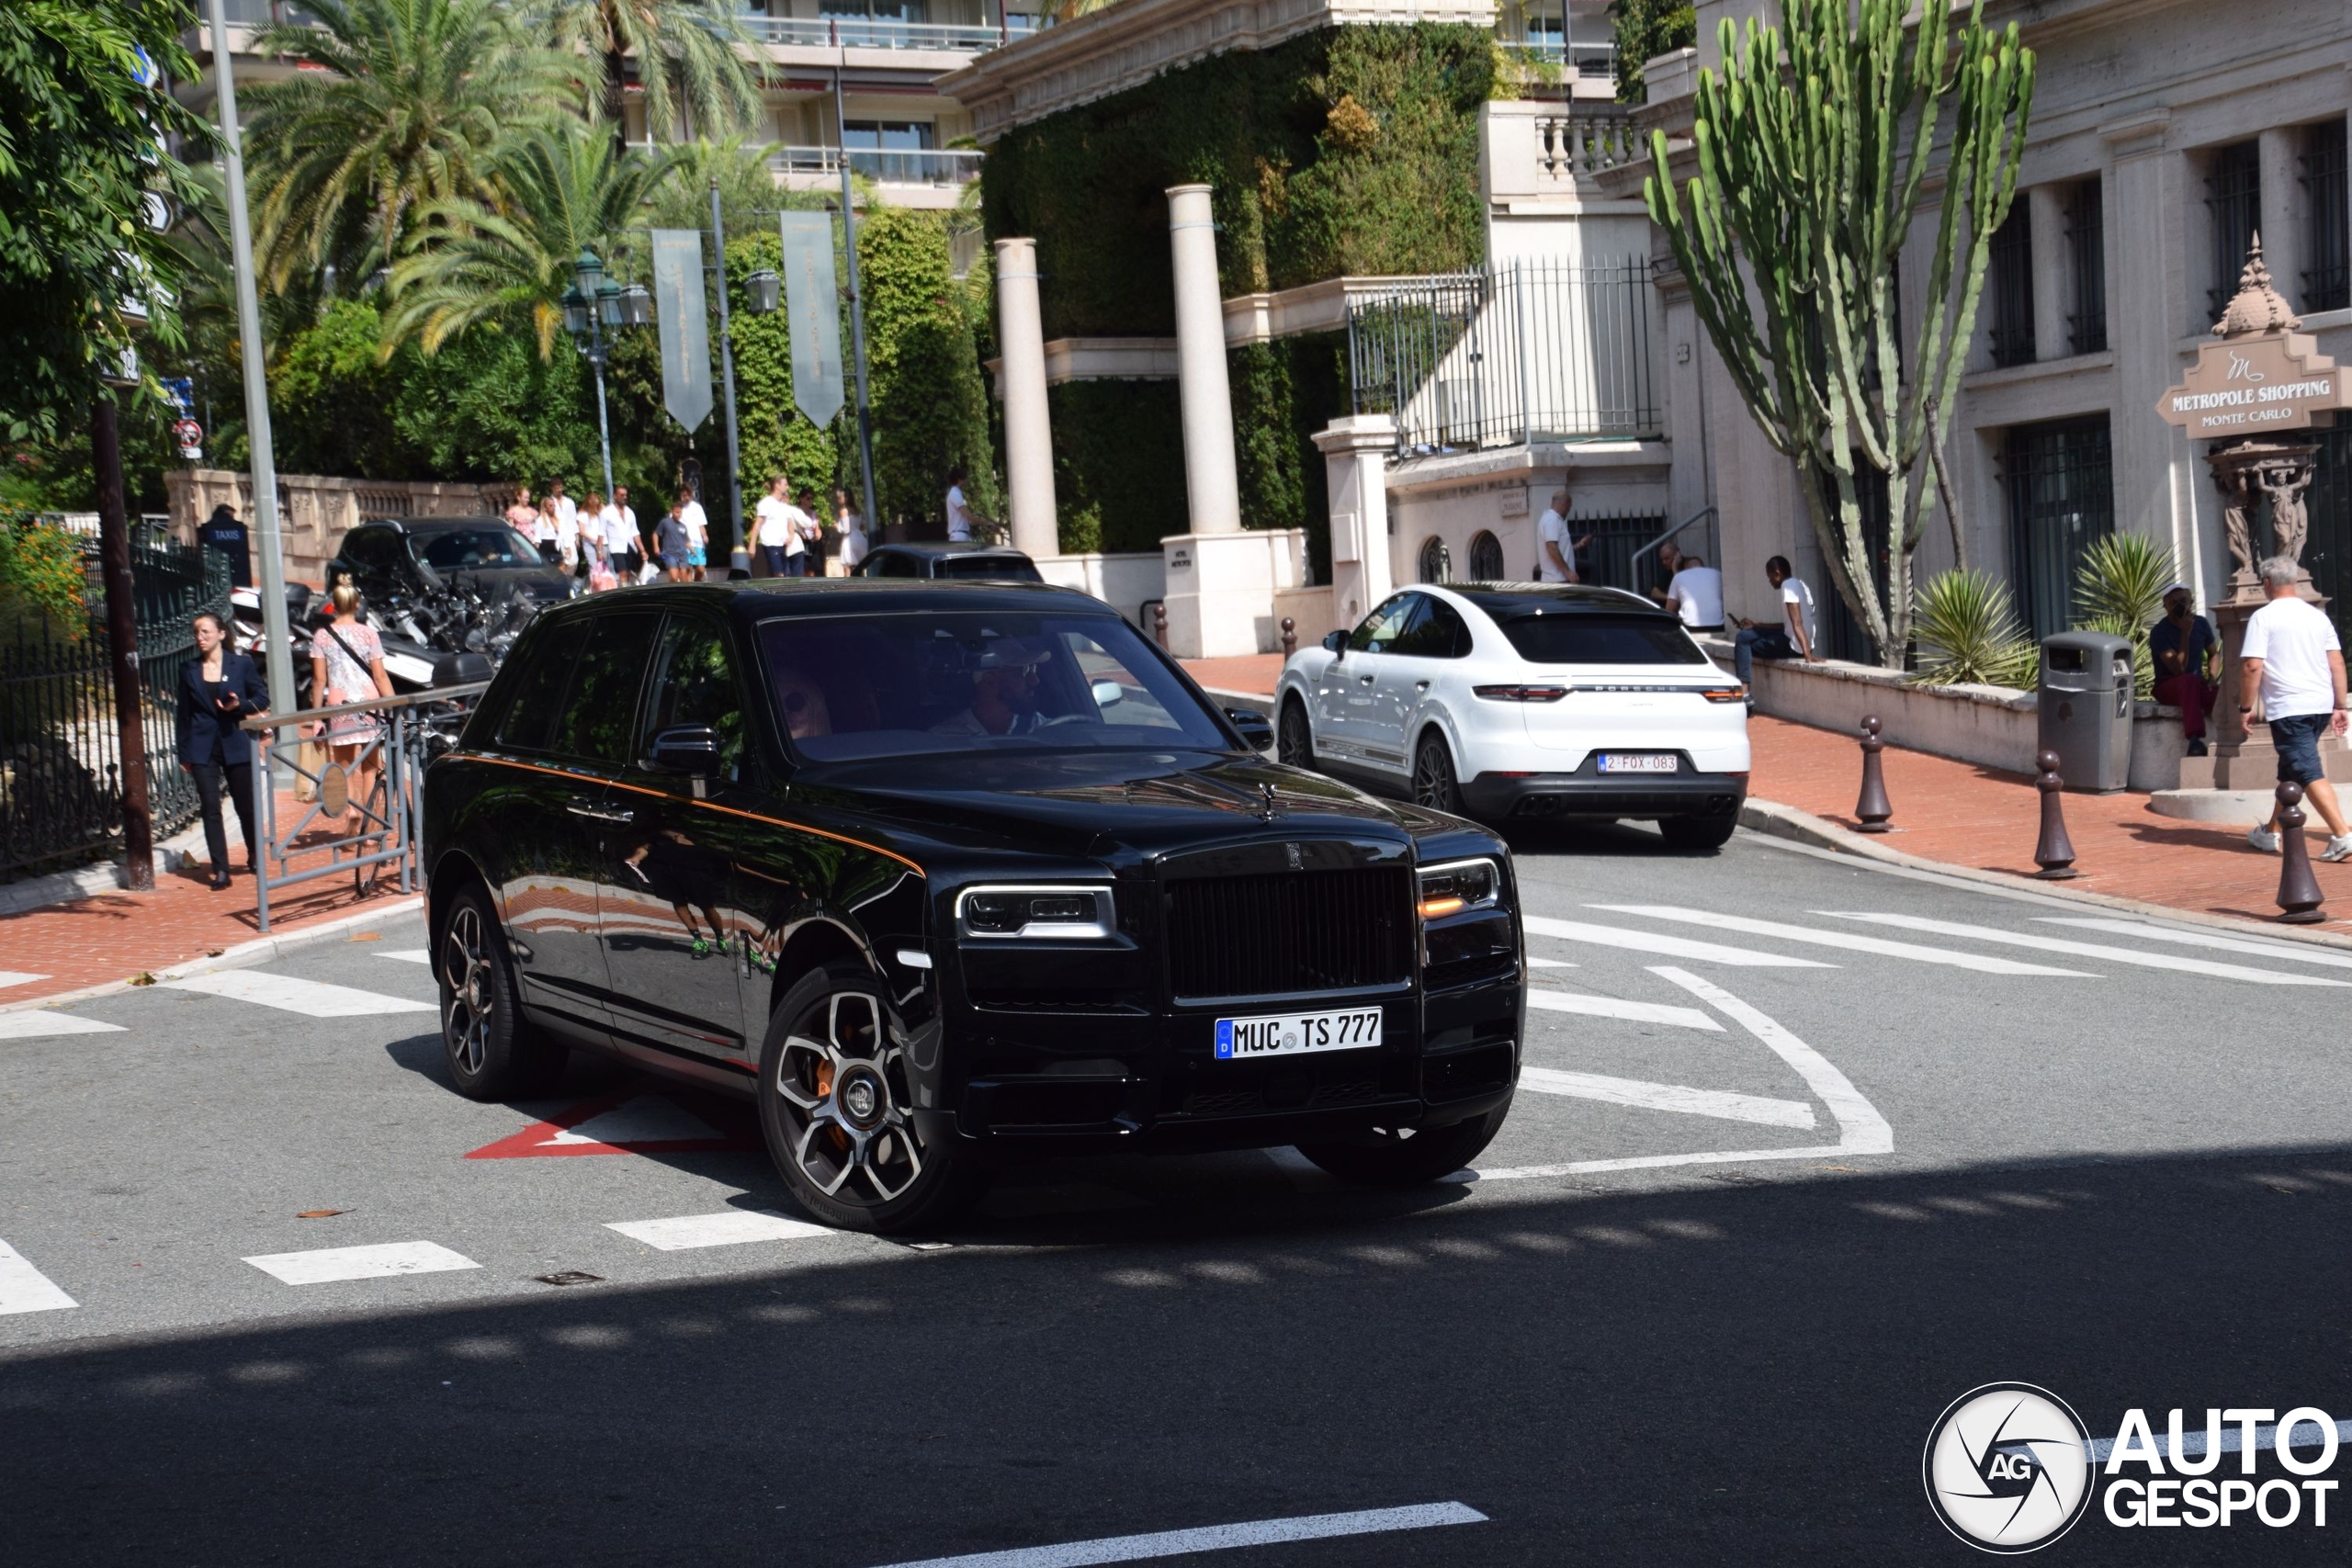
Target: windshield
{"points": [[993, 568], [1600, 639], [461, 549], [849, 687]]}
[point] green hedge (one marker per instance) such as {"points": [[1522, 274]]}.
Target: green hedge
{"points": [[1349, 150], [1118, 464]]}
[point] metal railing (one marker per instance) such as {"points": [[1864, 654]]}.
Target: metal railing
{"points": [[879, 32], [336, 832], [923, 167], [1592, 62], [1511, 355]]}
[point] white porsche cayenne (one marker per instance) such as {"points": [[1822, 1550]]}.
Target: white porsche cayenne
{"points": [[1510, 700]]}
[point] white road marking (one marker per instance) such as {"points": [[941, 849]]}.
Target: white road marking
{"points": [[1668, 1097], [2330, 958], [409, 955], [648, 1119], [24, 1288], [18, 977], [1847, 940], [361, 1262], [1862, 1130], [313, 998], [1213, 1537], [1609, 1007], [2307, 1434], [1664, 946], [2048, 944], [729, 1229], [34, 1023], [1536, 962]]}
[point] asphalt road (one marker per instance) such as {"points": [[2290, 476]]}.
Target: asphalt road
{"points": [[1792, 1170]]}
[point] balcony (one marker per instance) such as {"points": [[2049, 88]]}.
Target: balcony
{"points": [[928, 178], [859, 32]]}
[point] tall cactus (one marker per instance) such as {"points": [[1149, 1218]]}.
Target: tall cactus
{"points": [[1813, 142]]}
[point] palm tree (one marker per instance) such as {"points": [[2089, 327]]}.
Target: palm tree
{"points": [[477, 261], [689, 57], [401, 106]]}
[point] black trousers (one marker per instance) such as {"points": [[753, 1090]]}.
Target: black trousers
{"points": [[241, 792]]}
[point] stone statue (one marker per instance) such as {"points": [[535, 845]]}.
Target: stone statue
{"points": [[2284, 482]]}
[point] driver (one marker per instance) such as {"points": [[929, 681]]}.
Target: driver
{"points": [[802, 703], [1005, 691]]}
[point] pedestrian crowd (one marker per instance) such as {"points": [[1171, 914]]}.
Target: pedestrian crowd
{"points": [[604, 544]]}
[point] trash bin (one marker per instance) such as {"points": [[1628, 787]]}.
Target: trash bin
{"points": [[2085, 701]]}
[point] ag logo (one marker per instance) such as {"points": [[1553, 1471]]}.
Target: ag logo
{"points": [[2006, 1468]]}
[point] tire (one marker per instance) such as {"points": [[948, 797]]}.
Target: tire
{"points": [[1697, 832], [853, 1161], [1434, 784], [1294, 737], [1405, 1156], [493, 1050]]}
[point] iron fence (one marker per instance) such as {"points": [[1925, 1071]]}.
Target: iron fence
{"points": [[60, 746], [1525, 352]]}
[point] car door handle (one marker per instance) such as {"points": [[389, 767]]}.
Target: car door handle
{"points": [[1420, 685], [593, 814], [1365, 679]]}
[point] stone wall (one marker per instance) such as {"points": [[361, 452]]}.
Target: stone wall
{"points": [[314, 511]]}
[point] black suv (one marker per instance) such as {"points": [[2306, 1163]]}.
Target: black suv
{"points": [[410, 558], [933, 871]]}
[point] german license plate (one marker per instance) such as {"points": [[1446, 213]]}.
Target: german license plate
{"points": [[1296, 1033], [1640, 762]]}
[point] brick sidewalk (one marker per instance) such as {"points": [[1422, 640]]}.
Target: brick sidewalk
{"points": [[1252, 673], [113, 936]]}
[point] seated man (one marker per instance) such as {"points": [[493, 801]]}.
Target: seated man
{"points": [[1791, 639], [2187, 658], [1005, 691], [1697, 595]]}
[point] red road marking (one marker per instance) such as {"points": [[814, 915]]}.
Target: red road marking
{"points": [[726, 1121]]}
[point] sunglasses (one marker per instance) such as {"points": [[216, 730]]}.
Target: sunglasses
{"points": [[796, 703]]}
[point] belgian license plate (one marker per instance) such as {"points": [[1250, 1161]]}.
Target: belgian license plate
{"points": [[1296, 1033], [1640, 762]]}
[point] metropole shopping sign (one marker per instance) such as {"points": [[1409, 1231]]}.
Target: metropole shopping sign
{"points": [[2251, 385]]}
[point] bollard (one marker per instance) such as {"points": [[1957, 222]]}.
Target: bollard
{"points": [[2053, 852], [1289, 638], [2299, 891], [1160, 626], [1872, 810]]}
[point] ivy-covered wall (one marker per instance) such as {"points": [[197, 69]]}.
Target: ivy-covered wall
{"points": [[1118, 464]]}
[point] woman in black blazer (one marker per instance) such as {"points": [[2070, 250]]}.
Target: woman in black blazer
{"points": [[220, 689]]}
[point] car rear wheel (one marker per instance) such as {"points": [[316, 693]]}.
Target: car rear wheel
{"points": [[1434, 784], [1294, 737], [1407, 1156], [836, 1108], [493, 1050], [1697, 832]]}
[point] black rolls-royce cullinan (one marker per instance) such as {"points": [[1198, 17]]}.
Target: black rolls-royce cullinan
{"points": [[936, 872]]}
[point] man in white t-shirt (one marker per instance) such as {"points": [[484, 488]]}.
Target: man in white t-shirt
{"points": [[623, 545], [1791, 639], [776, 530], [696, 521], [1697, 595], [1556, 552], [962, 521], [2292, 656]]}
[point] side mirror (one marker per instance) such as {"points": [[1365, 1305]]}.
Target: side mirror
{"points": [[1106, 693], [688, 749], [1335, 642], [1255, 727]]}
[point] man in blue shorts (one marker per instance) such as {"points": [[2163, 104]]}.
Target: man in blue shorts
{"points": [[2292, 656]]}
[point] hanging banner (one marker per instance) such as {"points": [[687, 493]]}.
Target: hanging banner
{"points": [[685, 323], [816, 313]]}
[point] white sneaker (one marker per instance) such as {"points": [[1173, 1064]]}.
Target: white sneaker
{"points": [[2263, 838], [2338, 849]]}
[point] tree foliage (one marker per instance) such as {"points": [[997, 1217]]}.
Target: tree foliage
{"points": [[690, 53], [1646, 29], [1813, 146], [931, 410]]}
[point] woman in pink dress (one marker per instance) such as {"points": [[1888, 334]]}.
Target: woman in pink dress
{"points": [[348, 666]]}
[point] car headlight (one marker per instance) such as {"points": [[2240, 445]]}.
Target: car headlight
{"points": [[1051, 912], [1457, 886]]}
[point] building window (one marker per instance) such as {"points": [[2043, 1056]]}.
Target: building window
{"points": [[2327, 550], [2086, 262], [1485, 557], [2011, 264], [2233, 197], [2327, 220], [1437, 561], [2062, 501]]}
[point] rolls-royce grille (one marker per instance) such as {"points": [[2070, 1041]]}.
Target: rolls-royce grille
{"points": [[1298, 931]]}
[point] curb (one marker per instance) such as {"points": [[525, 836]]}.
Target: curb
{"points": [[1778, 822], [65, 887], [260, 950]]}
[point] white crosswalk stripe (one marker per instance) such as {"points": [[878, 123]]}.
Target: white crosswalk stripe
{"points": [[1847, 942], [2047, 943], [18, 977], [1664, 946], [728, 1229], [1536, 962], [314, 999], [24, 1288], [408, 956], [35, 1024], [1715, 1102], [2292, 952], [384, 1261], [1611, 1007]]}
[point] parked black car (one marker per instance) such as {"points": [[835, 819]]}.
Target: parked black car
{"points": [[938, 872], [414, 557], [954, 562]]}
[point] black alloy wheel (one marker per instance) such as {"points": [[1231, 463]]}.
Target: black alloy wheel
{"points": [[1407, 1156], [1697, 832], [493, 1050], [1433, 780], [1294, 737], [835, 1109]]}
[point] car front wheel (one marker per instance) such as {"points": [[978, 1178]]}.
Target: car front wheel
{"points": [[1434, 784], [836, 1108], [1407, 1156], [493, 1050], [1294, 737]]}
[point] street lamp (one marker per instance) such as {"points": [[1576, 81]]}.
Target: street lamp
{"points": [[591, 304]]}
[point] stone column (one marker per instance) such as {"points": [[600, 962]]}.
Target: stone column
{"points": [[2282, 203], [1209, 484], [1356, 456], [1028, 434], [2053, 270]]}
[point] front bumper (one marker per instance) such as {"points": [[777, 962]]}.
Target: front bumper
{"points": [[1590, 794]]}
